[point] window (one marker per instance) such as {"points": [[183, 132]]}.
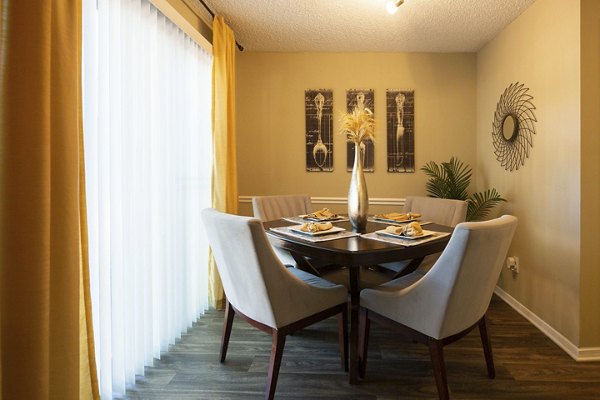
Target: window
{"points": [[147, 130]]}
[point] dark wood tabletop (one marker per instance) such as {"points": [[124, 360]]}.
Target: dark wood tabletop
{"points": [[355, 252]]}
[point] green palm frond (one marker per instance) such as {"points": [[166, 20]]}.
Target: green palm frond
{"points": [[436, 186], [451, 180], [448, 181], [459, 177], [480, 204]]}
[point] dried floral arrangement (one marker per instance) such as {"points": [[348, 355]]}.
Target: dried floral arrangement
{"points": [[358, 125]]}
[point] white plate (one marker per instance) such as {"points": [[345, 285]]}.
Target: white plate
{"points": [[335, 229], [393, 221], [425, 234]]}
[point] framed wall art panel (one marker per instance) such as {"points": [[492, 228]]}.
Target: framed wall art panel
{"points": [[400, 128], [361, 98], [318, 106]]}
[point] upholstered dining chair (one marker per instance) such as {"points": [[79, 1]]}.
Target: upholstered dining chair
{"points": [[269, 208], [262, 291], [446, 212], [447, 302]]}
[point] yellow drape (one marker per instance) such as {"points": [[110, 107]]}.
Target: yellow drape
{"points": [[42, 228], [88, 374], [224, 176]]}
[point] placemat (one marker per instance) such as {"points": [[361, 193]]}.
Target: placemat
{"points": [[405, 242], [288, 232], [300, 220], [398, 223]]}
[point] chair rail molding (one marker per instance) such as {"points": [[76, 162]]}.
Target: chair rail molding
{"points": [[377, 201], [577, 353]]}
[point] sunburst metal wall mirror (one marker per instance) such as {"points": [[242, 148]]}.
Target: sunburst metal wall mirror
{"points": [[513, 127]]}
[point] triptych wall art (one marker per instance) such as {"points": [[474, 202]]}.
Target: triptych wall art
{"points": [[400, 129]]}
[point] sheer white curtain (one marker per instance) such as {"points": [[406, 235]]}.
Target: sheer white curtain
{"points": [[147, 110]]}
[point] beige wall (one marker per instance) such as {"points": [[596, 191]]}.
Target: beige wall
{"points": [[553, 49], [270, 118], [541, 50], [590, 171]]}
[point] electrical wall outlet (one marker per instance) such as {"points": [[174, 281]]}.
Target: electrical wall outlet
{"points": [[512, 263]]}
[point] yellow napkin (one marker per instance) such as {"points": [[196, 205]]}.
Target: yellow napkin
{"points": [[316, 226], [399, 216], [323, 214], [412, 230]]}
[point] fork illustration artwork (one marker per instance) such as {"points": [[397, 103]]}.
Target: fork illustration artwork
{"points": [[400, 98]]}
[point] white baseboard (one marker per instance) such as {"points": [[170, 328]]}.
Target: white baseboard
{"points": [[589, 354], [577, 353], [381, 201]]}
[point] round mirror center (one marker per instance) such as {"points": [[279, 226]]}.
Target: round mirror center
{"points": [[510, 127]]}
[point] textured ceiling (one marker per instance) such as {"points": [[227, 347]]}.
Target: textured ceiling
{"points": [[365, 25]]}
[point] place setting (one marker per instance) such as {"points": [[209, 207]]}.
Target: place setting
{"points": [[407, 234], [316, 227], [315, 231], [396, 218], [322, 215]]}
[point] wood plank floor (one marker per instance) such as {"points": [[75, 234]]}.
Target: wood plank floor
{"points": [[528, 365]]}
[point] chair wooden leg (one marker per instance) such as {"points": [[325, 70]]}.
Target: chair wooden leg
{"points": [[487, 347], [365, 328], [436, 351], [343, 337], [277, 344], [227, 324]]}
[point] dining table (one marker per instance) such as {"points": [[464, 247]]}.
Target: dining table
{"points": [[355, 251]]}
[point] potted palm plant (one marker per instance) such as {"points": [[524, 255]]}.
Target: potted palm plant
{"points": [[451, 180]]}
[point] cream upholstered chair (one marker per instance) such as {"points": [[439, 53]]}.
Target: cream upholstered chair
{"points": [[446, 212], [269, 208], [261, 290], [449, 300], [440, 211]]}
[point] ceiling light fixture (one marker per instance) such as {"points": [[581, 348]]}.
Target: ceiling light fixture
{"points": [[392, 6]]}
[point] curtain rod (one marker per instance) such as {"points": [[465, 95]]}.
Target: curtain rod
{"points": [[239, 46]]}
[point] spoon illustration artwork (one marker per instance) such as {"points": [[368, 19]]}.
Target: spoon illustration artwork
{"points": [[400, 98], [319, 146]]}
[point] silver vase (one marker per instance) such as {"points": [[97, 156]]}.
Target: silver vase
{"points": [[358, 198]]}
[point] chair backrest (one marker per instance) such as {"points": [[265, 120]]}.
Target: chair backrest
{"points": [[269, 208], [456, 292], [256, 283], [440, 211]]}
